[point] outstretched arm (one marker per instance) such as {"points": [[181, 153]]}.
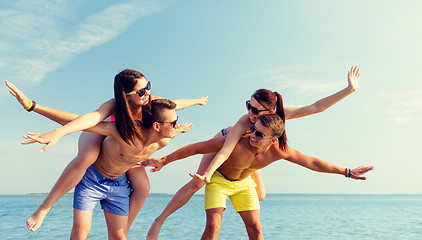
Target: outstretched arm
{"points": [[72, 122], [59, 116], [185, 103], [212, 145], [83, 122], [319, 165], [103, 128], [321, 105]]}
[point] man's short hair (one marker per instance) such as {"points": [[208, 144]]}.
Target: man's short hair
{"points": [[274, 122], [154, 114]]}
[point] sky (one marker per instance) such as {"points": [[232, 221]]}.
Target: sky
{"points": [[64, 54]]}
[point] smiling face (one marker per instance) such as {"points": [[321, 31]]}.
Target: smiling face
{"points": [[134, 97], [168, 123], [261, 136], [255, 107]]}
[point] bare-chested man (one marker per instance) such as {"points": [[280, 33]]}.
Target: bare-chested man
{"points": [[232, 179], [106, 182]]}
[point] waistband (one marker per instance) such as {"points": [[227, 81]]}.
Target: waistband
{"points": [[227, 178], [122, 179]]}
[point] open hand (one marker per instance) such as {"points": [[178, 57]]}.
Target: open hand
{"points": [[185, 127], [22, 99], [359, 171], [202, 100], [200, 177], [353, 77], [49, 139]]}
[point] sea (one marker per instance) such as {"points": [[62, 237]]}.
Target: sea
{"points": [[283, 216]]}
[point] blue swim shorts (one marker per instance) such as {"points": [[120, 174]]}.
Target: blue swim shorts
{"points": [[113, 194]]}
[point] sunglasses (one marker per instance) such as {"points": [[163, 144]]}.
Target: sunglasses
{"points": [[174, 123], [254, 110], [259, 135], [142, 91]]}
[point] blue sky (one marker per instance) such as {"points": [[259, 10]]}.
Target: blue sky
{"points": [[64, 54]]}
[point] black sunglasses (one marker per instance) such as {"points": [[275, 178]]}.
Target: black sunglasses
{"points": [[254, 110], [259, 135], [142, 91], [173, 122]]}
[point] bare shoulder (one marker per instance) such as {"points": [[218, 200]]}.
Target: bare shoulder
{"points": [[244, 120], [279, 153], [241, 126], [110, 103], [108, 107]]}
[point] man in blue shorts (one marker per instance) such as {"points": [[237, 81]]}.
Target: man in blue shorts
{"points": [[113, 194], [106, 182]]}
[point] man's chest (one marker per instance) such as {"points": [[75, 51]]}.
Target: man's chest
{"points": [[247, 160]]}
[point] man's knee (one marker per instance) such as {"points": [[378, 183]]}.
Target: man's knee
{"points": [[255, 228], [139, 194], [213, 227], [140, 190]]}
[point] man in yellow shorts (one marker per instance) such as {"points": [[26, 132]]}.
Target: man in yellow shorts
{"points": [[233, 178], [241, 192]]}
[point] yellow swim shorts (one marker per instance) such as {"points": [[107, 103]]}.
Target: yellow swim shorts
{"points": [[242, 193]]}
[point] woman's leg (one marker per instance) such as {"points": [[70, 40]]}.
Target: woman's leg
{"points": [[89, 147], [180, 198], [260, 188], [139, 181]]}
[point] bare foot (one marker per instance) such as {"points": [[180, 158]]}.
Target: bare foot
{"points": [[154, 230], [36, 219]]}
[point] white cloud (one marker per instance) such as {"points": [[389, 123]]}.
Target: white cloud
{"points": [[304, 85], [299, 79], [42, 36], [406, 106]]}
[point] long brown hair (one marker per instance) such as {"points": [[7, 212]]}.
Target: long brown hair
{"points": [[273, 101], [126, 125]]}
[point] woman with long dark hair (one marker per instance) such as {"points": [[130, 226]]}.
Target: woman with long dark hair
{"points": [[132, 96]]}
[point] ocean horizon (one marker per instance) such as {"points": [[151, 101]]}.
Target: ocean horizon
{"points": [[283, 216]]}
